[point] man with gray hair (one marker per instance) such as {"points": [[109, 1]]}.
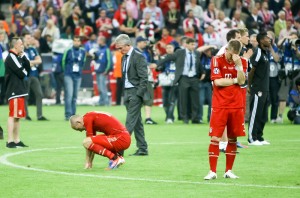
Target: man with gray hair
{"points": [[135, 78]]}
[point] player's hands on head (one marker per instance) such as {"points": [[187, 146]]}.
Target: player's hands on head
{"points": [[236, 59]]}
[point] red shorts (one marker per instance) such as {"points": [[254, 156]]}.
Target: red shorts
{"points": [[232, 118], [17, 107], [244, 91], [114, 143]]}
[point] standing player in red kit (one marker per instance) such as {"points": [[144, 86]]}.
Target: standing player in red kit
{"points": [[227, 74], [114, 140]]}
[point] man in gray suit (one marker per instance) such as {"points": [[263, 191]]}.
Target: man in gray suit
{"points": [[135, 78], [188, 73]]}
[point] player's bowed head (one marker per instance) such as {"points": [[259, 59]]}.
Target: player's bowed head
{"points": [[76, 122]]}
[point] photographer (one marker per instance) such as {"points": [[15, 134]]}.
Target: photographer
{"points": [[290, 68], [294, 102]]}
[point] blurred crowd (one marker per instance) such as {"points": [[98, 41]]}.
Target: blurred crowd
{"points": [[163, 26]]}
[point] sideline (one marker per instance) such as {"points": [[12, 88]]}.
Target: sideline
{"points": [[4, 160]]}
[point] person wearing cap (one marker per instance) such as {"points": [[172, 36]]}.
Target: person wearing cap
{"points": [[141, 46]]}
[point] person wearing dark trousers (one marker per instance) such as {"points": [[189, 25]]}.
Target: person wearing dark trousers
{"points": [[33, 82], [58, 75], [135, 78], [2, 79], [258, 83], [188, 73]]}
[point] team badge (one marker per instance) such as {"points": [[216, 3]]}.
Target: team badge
{"points": [[216, 71]]}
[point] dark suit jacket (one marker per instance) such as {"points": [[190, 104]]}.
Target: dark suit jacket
{"points": [[137, 73], [179, 57]]}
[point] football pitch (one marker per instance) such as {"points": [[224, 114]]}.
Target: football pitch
{"points": [[52, 165]]}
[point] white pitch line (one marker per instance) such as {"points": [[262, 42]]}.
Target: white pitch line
{"points": [[4, 160]]}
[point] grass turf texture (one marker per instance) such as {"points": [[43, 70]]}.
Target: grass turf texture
{"points": [[177, 163]]}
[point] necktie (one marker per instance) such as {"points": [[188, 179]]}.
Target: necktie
{"points": [[191, 61], [124, 64]]}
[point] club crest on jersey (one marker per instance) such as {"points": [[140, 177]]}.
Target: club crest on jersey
{"points": [[216, 71]]}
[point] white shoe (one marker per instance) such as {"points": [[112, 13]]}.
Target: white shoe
{"points": [[255, 143], [211, 175], [169, 121], [273, 121], [265, 142], [279, 120], [230, 175]]}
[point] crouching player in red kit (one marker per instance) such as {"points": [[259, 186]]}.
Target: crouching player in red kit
{"points": [[114, 140], [227, 74]]}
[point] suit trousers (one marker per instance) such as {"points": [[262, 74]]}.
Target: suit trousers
{"points": [[134, 122], [33, 84], [189, 93]]}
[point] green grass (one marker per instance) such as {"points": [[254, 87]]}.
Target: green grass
{"points": [[177, 163]]}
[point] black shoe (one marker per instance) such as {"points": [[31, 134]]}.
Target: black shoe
{"points": [[42, 118], [11, 145], [20, 144], [139, 153], [28, 118], [150, 121], [1, 133], [222, 150]]}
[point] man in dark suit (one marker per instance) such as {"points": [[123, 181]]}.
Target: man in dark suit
{"points": [[188, 73], [135, 79]]}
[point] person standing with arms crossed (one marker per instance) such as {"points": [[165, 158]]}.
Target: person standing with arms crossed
{"points": [[135, 78], [227, 74], [17, 67], [258, 85]]}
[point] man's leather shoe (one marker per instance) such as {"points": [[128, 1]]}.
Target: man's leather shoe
{"points": [[139, 153]]}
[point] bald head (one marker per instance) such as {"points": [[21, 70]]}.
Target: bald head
{"points": [[76, 122]]}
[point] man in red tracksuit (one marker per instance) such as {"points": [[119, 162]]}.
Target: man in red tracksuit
{"points": [[114, 140]]}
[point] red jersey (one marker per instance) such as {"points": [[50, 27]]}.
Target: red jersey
{"points": [[102, 122], [230, 96]]}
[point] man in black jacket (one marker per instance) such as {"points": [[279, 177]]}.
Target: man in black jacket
{"points": [[188, 73], [17, 67], [135, 80]]}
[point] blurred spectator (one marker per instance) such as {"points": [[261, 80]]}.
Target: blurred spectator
{"points": [[132, 6], [67, 10], [147, 28], [29, 25], [197, 10], [239, 7], [51, 30], [4, 41], [103, 65], [20, 11], [211, 37], [19, 22], [172, 17], [129, 25], [92, 43], [287, 10], [117, 73], [73, 19], [13, 31], [253, 41], [156, 13], [190, 23], [237, 22], [83, 31], [33, 13], [268, 16], [254, 22], [210, 14], [104, 26], [90, 12], [162, 43], [164, 5], [120, 15], [275, 5], [72, 63], [297, 26], [170, 90], [280, 23], [110, 6], [48, 15], [67, 34], [285, 32], [220, 23], [33, 82], [4, 26]]}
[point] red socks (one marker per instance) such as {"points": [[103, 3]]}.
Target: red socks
{"points": [[213, 152], [100, 150], [230, 155]]}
